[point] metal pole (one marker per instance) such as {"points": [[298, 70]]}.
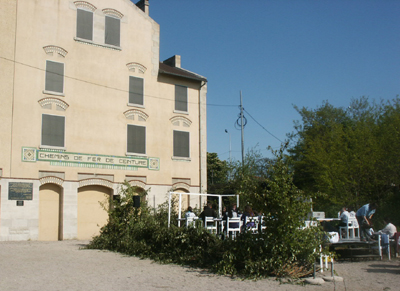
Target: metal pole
{"points": [[169, 209], [180, 210], [241, 124], [230, 145]]}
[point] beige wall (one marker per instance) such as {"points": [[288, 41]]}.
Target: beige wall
{"points": [[7, 45], [95, 100]]}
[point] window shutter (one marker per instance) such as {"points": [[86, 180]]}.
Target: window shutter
{"points": [[181, 144], [54, 77], [136, 139], [84, 24], [53, 130], [181, 98], [112, 31], [136, 90]]}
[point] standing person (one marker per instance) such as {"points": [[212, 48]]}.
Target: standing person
{"points": [[363, 216], [389, 229]]}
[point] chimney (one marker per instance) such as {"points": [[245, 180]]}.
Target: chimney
{"points": [[143, 5], [174, 61]]}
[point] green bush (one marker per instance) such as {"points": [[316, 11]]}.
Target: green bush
{"points": [[283, 249]]}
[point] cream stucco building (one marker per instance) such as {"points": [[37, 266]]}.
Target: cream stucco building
{"points": [[85, 105]]}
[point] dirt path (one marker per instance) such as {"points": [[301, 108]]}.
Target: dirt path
{"points": [[45, 266]]}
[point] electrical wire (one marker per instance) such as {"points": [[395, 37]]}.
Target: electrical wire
{"points": [[261, 125], [112, 88]]}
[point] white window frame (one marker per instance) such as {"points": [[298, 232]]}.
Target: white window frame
{"points": [[105, 31], [145, 141], [187, 100], [135, 104], [41, 133], [76, 31], [173, 146], [63, 81]]}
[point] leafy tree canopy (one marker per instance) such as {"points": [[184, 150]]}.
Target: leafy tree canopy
{"points": [[350, 155]]}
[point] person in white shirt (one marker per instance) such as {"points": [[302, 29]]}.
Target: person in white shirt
{"points": [[389, 229], [344, 217], [190, 213]]}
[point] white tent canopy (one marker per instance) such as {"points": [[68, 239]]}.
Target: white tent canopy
{"points": [[198, 194]]}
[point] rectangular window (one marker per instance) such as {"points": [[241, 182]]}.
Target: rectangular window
{"points": [[181, 100], [136, 91], [54, 77], [84, 24], [181, 144], [112, 31], [53, 130], [136, 139]]}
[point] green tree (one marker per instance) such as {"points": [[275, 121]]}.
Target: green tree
{"points": [[347, 154], [217, 175]]}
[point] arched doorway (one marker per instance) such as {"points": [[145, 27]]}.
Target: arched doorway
{"points": [[93, 203], [185, 200], [50, 212]]}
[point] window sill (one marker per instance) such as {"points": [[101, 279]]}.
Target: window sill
{"points": [[53, 93], [136, 155], [181, 159], [90, 42], [53, 148], [181, 112], [136, 105]]}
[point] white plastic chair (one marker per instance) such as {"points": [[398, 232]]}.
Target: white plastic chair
{"points": [[191, 221], [210, 224], [351, 230], [233, 226], [253, 228]]}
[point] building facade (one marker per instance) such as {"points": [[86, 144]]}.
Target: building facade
{"points": [[86, 104]]}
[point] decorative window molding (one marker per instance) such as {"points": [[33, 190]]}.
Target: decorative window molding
{"points": [[51, 180], [132, 67], [51, 49], [181, 185], [140, 115], [180, 120], [85, 5], [50, 101], [96, 182], [113, 12], [137, 183]]}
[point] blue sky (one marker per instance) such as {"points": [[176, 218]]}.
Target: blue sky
{"points": [[280, 54]]}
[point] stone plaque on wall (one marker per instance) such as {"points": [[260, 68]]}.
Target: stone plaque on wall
{"points": [[20, 191]]}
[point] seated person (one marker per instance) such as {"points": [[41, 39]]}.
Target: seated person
{"points": [[190, 213], [208, 212], [232, 213], [389, 229], [344, 217], [248, 212]]}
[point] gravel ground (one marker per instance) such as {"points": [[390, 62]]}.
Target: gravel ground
{"points": [[64, 265]]}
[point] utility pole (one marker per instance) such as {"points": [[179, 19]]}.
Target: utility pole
{"points": [[242, 126], [230, 146]]}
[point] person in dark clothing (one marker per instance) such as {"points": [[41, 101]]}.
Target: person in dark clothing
{"points": [[208, 212]]}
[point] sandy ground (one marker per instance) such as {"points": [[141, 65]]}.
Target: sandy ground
{"points": [[64, 265]]}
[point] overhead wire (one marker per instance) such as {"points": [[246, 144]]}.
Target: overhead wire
{"points": [[110, 87], [261, 125]]}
